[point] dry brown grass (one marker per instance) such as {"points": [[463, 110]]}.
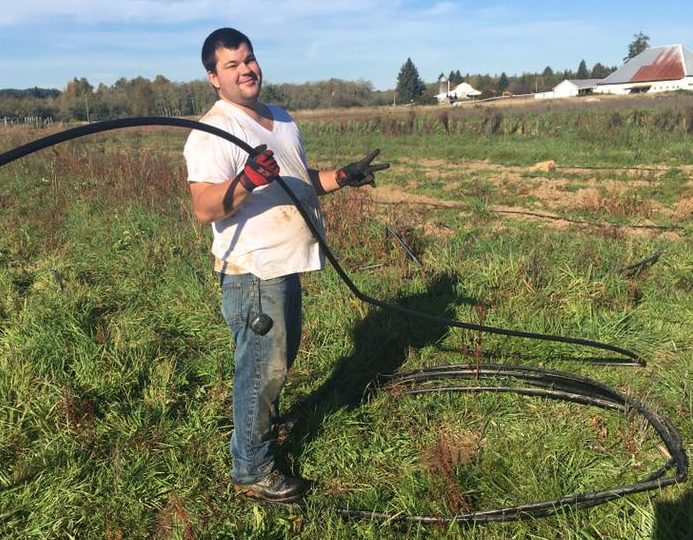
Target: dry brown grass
{"points": [[684, 208], [617, 201], [453, 448], [172, 516]]}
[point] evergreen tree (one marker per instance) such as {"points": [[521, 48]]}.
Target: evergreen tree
{"points": [[502, 84], [409, 84], [547, 79], [639, 44], [455, 78], [582, 72], [600, 71]]}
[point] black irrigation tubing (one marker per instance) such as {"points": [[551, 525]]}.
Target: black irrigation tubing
{"points": [[586, 222], [636, 268], [615, 168], [405, 247], [541, 382], [543, 216]]}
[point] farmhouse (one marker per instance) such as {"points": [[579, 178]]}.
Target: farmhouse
{"points": [[570, 88], [657, 69], [461, 91]]}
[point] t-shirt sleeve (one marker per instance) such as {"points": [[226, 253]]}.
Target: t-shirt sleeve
{"points": [[210, 158]]}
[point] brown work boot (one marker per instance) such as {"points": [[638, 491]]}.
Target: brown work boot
{"points": [[275, 487]]}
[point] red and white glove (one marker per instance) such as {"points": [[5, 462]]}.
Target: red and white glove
{"points": [[260, 169]]}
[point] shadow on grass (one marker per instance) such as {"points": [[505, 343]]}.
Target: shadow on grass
{"points": [[674, 519], [382, 343]]}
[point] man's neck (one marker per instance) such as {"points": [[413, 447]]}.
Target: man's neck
{"points": [[257, 110]]}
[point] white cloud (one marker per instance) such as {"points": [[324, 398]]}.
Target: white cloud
{"points": [[441, 8], [107, 11]]}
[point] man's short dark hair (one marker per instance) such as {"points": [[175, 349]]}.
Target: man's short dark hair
{"points": [[227, 38]]}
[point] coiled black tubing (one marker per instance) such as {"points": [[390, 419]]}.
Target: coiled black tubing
{"points": [[537, 382]]}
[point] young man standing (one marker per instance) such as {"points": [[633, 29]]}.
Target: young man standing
{"points": [[261, 245]]}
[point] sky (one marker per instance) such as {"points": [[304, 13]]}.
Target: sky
{"points": [[47, 43]]}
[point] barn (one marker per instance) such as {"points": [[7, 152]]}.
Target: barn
{"points": [[461, 91], [657, 69], [570, 88]]}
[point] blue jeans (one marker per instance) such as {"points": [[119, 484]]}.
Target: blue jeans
{"points": [[261, 364]]}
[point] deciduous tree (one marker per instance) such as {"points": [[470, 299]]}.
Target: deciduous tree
{"points": [[639, 44], [73, 103]]}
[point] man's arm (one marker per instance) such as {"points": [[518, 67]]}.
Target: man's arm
{"points": [[355, 174], [324, 181], [215, 201]]}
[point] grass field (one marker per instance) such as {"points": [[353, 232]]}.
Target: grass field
{"points": [[116, 366]]}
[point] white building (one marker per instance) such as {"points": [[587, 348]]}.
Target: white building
{"points": [[461, 91], [570, 88], [657, 69]]}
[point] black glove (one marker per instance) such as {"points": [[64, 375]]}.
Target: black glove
{"points": [[361, 172], [260, 169]]}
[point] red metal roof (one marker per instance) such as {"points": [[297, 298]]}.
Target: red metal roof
{"points": [[667, 66], [665, 63]]}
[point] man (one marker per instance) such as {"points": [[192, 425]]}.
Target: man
{"points": [[261, 244]]}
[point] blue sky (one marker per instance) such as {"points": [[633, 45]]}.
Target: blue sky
{"points": [[46, 43]]}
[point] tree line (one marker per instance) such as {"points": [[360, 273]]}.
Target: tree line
{"points": [[80, 101]]}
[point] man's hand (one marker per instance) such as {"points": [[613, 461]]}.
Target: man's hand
{"points": [[361, 172], [259, 170]]}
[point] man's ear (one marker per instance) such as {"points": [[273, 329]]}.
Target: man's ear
{"points": [[212, 78]]}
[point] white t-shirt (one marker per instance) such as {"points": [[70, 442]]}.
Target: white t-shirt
{"points": [[266, 235]]}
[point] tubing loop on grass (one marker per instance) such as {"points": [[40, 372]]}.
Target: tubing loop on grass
{"points": [[546, 383], [539, 382]]}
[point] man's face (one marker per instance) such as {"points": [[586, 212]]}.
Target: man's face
{"points": [[238, 77]]}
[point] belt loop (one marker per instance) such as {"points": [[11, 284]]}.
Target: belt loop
{"points": [[258, 293]]}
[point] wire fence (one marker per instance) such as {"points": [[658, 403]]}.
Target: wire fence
{"points": [[29, 121]]}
